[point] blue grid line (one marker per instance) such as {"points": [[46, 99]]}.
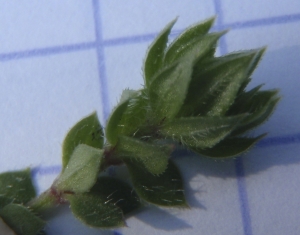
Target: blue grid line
{"points": [[101, 59], [239, 168], [47, 51], [264, 21], [143, 38]]}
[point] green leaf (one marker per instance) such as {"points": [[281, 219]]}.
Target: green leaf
{"points": [[134, 117], [154, 157], [114, 126], [87, 131], [93, 210], [229, 147], [17, 185], [260, 108], [5, 201], [169, 88], [118, 193], [155, 54], [163, 190], [187, 37], [21, 219], [5, 229], [200, 132], [214, 88], [81, 172]]}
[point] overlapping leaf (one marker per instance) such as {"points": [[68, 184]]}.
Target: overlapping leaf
{"points": [[163, 190], [154, 157], [81, 172], [229, 147], [17, 186], [93, 211], [155, 54], [200, 132], [21, 219], [187, 38], [87, 131], [214, 88]]}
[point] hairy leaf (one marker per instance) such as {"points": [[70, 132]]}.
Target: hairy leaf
{"points": [[198, 48], [163, 190], [87, 131], [114, 126], [155, 54], [200, 132], [5, 229], [21, 219], [17, 186], [229, 147], [154, 157], [118, 193], [214, 88], [81, 172], [5, 201], [92, 210], [187, 37], [134, 118]]}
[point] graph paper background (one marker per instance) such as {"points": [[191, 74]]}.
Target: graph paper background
{"points": [[60, 60]]}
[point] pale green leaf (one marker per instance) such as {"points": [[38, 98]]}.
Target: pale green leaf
{"points": [[155, 54], [187, 37], [93, 210], [153, 156], [87, 131], [163, 190], [229, 147], [200, 132], [21, 219], [17, 186], [81, 172]]}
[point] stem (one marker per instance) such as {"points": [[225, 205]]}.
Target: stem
{"points": [[43, 202]]}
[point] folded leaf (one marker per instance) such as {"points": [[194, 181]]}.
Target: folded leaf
{"points": [[134, 117], [21, 220], [155, 54], [213, 89], [87, 131], [92, 210], [200, 132], [187, 37], [17, 186], [118, 193], [154, 157], [198, 48], [114, 126], [163, 190], [229, 147], [81, 172]]}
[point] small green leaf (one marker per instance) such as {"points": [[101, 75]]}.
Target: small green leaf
{"points": [[81, 172], [213, 89], [155, 54], [5, 201], [169, 88], [188, 36], [21, 219], [17, 185], [87, 131], [114, 126], [134, 118], [118, 193], [93, 210], [163, 190], [200, 132], [229, 147], [198, 47], [153, 156]]}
